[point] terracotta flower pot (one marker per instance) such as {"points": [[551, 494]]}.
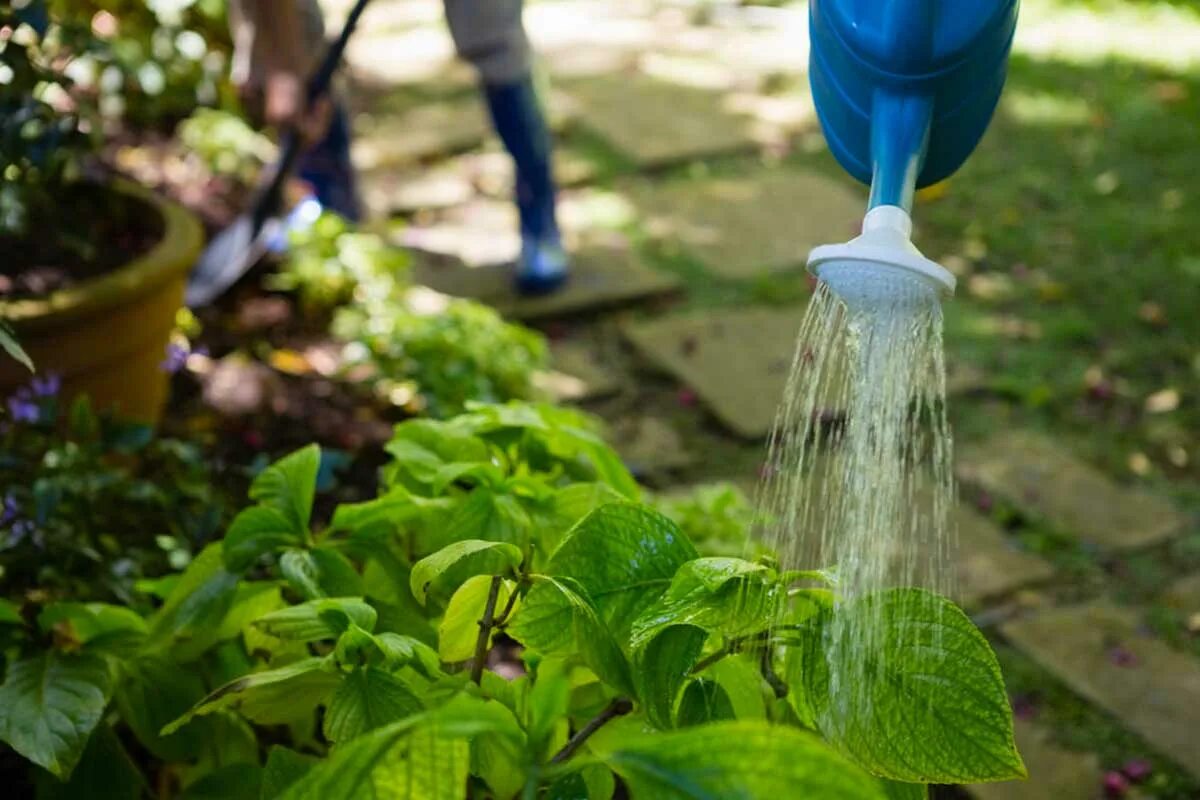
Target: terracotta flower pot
{"points": [[107, 336]]}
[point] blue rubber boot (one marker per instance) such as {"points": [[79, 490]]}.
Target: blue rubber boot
{"points": [[327, 168], [518, 120]]}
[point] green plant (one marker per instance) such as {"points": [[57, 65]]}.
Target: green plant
{"points": [[423, 350], [92, 505], [225, 143], [155, 60], [717, 517], [377, 657], [45, 133], [10, 345]]}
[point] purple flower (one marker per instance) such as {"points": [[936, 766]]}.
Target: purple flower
{"points": [[1121, 656], [9, 510], [177, 356], [48, 386], [1115, 784], [1137, 769], [22, 407], [20, 529]]}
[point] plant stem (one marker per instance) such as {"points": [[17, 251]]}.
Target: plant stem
{"points": [[485, 631], [620, 706], [768, 672], [502, 620]]}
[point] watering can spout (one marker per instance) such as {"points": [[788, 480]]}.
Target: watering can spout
{"points": [[904, 89]]}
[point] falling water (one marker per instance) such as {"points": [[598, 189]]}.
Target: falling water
{"points": [[859, 467]]}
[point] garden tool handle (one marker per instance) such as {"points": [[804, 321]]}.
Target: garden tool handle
{"points": [[318, 85]]}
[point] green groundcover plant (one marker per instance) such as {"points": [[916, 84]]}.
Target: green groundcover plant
{"points": [[504, 620], [420, 349]]}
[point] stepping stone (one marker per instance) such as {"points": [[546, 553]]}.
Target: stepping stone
{"points": [[654, 122], [1101, 653], [1054, 773], [429, 130], [1039, 476], [742, 227], [736, 361], [649, 445], [989, 564], [578, 374], [601, 276], [1184, 594], [388, 193]]}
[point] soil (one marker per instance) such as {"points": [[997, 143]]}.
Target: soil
{"points": [[93, 231]]}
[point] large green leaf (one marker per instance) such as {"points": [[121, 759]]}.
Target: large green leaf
{"points": [[106, 772], [198, 601], [326, 618], [662, 667], [284, 767], [320, 572], [624, 556], [491, 515], [368, 698], [288, 486], [704, 700], [50, 703], [255, 531], [458, 632], [444, 571], [425, 757], [746, 760], [99, 627], [152, 692], [236, 781], [556, 619], [569, 505], [927, 705], [251, 600], [272, 696], [728, 596]]}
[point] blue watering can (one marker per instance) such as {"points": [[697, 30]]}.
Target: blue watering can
{"points": [[904, 90]]}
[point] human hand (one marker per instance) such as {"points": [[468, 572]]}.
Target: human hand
{"points": [[285, 106]]}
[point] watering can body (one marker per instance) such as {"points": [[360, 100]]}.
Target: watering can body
{"points": [[904, 89]]}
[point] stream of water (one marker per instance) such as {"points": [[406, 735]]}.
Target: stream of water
{"points": [[859, 471]]}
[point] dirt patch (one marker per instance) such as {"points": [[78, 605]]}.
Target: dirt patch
{"points": [[93, 231]]}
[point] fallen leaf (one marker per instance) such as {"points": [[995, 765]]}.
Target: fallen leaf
{"points": [[1152, 314], [1162, 401], [290, 362], [1171, 200], [1139, 465], [1106, 183], [1170, 91]]}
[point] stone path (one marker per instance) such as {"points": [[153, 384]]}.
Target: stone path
{"points": [[737, 361], [989, 563], [1103, 653], [762, 222], [1040, 477], [631, 111], [602, 277]]}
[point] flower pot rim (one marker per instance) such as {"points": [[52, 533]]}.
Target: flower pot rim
{"points": [[175, 252]]}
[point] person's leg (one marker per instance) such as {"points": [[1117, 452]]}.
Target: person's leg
{"points": [[489, 34]]}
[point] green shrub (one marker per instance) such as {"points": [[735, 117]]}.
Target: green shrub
{"points": [[367, 659], [425, 351], [92, 505]]}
